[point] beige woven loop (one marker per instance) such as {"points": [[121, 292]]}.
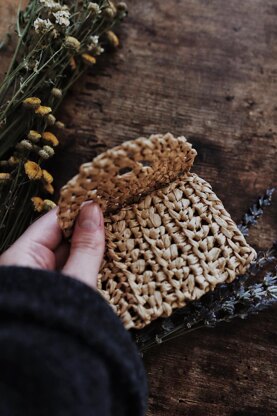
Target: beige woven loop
{"points": [[169, 239], [122, 174]]}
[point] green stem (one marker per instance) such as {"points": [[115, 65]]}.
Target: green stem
{"points": [[19, 219], [12, 139], [27, 81]]}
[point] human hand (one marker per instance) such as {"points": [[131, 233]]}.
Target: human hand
{"points": [[42, 246]]}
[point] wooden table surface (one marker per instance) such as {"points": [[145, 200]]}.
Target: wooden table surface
{"points": [[206, 70]]}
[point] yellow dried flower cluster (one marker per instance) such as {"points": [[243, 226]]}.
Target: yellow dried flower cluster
{"points": [[48, 187], [47, 177], [41, 205], [4, 177], [112, 39], [50, 138], [47, 180], [36, 173], [47, 140], [43, 110], [88, 59], [33, 170], [38, 203], [34, 136], [32, 102]]}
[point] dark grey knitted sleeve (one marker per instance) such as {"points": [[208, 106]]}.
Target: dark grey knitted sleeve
{"points": [[63, 351]]}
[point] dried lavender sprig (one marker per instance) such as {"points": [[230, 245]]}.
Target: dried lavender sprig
{"points": [[241, 305], [224, 304], [263, 259], [255, 211]]}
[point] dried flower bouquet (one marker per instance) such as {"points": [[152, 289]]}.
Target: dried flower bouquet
{"points": [[57, 41]]}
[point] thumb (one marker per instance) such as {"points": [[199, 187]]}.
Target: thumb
{"points": [[87, 245]]}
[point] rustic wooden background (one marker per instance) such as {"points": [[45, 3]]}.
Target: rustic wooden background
{"points": [[206, 69]]}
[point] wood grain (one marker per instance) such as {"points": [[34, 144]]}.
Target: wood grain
{"points": [[208, 70]]}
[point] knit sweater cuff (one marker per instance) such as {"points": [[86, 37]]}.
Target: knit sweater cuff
{"points": [[56, 301]]}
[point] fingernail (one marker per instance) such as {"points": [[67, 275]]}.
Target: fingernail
{"points": [[90, 217]]}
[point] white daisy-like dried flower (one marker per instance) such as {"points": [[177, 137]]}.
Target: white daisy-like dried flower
{"points": [[122, 9], [43, 154], [72, 43], [59, 125], [36, 66], [62, 18], [31, 65], [94, 8], [56, 92], [94, 39], [50, 4], [49, 150], [42, 25], [93, 42], [53, 6], [51, 120], [24, 145], [99, 50]]}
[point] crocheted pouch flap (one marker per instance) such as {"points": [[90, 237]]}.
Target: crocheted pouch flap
{"points": [[123, 174], [167, 244]]}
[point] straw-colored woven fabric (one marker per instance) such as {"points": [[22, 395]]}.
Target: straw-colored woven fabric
{"points": [[169, 239]]}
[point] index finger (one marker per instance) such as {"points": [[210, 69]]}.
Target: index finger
{"points": [[44, 231]]}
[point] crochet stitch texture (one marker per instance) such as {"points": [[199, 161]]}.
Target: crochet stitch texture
{"points": [[169, 239]]}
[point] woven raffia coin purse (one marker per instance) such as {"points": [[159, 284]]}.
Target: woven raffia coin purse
{"points": [[169, 239]]}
